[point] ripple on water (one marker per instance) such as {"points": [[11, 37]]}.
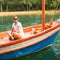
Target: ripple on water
{"points": [[56, 46]]}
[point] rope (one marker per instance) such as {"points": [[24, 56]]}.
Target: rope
{"points": [[55, 11]]}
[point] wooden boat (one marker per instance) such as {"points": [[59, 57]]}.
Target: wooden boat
{"points": [[43, 35]]}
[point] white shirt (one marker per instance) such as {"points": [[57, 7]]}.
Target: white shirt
{"points": [[15, 26]]}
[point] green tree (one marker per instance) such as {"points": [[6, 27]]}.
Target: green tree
{"points": [[21, 5]]}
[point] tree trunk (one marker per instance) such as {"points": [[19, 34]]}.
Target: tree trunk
{"points": [[7, 7], [27, 5], [1, 7]]}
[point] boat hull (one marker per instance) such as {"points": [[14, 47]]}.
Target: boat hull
{"points": [[30, 49]]}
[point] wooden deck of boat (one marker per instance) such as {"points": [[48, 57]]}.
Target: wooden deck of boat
{"points": [[6, 39]]}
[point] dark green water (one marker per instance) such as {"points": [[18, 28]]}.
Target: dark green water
{"points": [[46, 54]]}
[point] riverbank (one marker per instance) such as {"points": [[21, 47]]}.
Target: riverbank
{"points": [[27, 13]]}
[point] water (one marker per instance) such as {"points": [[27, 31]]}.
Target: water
{"points": [[50, 53], [56, 46]]}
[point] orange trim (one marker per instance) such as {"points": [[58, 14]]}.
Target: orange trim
{"points": [[22, 40], [27, 29], [6, 51]]}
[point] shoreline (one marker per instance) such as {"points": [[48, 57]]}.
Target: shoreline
{"points": [[27, 13]]}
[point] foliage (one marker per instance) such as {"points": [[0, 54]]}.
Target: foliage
{"points": [[22, 5]]}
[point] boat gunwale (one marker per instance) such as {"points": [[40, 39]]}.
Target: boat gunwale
{"points": [[10, 50], [23, 40]]}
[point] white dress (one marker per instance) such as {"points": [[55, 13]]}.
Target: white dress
{"points": [[15, 26]]}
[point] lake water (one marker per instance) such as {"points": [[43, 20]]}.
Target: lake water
{"points": [[49, 53]]}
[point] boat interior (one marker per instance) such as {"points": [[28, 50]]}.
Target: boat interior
{"points": [[28, 32]]}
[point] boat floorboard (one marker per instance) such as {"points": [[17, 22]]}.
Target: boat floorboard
{"points": [[6, 39]]}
